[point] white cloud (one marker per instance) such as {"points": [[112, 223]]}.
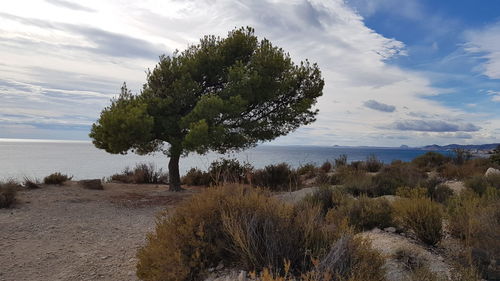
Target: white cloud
{"points": [[353, 59], [486, 43]]}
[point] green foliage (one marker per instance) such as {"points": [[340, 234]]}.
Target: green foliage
{"points": [[229, 171], [197, 177], [221, 94], [372, 164], [307, 170], [441, 193], [422, 216], [240, 227], [495, 157], [363, 213], [430, 160], [56, 178], [324, 197], [8, 191], [141, 174], [277, 177], [396, 175], [341, 160], [477, 183]]}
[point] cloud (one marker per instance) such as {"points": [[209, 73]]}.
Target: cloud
{"points": [[97, 40], [434, 126], [495, 95], [375, 105], [70, 5], [485, 43]]}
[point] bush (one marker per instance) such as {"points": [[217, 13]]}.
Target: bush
{"points": [[341, 161], [422, 216], [359, 184], [325, 197], [326, 167], [372, 164], [56, 178], [430, 160], [277, 177], [477, 166], [441, 193], [8, 192], [477, 183], [196, 177], [141, 174], [363, 213], [408, 192], [30, 183], [229, 171], [240, 227], [307, 170], [395, 175]]}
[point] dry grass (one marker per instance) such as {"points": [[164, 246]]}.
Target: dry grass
{"points": [[56, 178], [8, 191], [142, 173]]}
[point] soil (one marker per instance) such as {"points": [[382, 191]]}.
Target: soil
{"points": [[71, 233]]}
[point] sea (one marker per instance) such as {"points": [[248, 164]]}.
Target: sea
{"points": [[37, 159]]}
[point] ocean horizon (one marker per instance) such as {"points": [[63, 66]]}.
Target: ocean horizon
{"points": [[21, 158]]}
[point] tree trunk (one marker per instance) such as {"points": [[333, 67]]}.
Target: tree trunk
{"points": [[173, 173]]}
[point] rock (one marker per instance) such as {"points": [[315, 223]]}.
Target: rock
{"points": [[492, 172], [91, 184], [220, 266], [376, 230], [390, 229]]}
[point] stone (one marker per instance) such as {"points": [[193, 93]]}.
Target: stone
{"points": [[220, 266], [390, 229], [242, 276], [94, 184], [492, 172]]}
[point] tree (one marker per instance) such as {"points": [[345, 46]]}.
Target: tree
{"points": [[223, 94]]}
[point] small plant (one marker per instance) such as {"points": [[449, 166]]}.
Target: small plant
{"points": [[142, 174], [410, 259], [477, 183], [341, 161], [372, 164], [8, 193], [196, 177], [307, 170], [277, 177], [56, 178], [408, 192], [430, 160], [358, 184], [422, 216], [363, 213], [441, 193], [395, 175], [30, 183], [326, 166]]}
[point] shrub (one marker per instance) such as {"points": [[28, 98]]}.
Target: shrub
{"points": [[307, 170], [430, 160], [441, 193], [341, 161], [477, 183], [395, 175], [240, 227], [277, 177], [372, 163], [460, 155], [326, 167], [30, 183], [8, 192], [142, 174], [229, 171], [325, 197], [358, 184], [408, 192], [477, 166], [363, 213], [196, 177], [56, 178], [494, 180], [422, 216]]}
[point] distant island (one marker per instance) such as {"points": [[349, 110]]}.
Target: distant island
{"points": [[484, 148]]}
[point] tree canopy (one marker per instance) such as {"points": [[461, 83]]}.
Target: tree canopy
{"points": [[221, 94]]}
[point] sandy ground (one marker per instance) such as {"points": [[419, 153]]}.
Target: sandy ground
{"points": [[71, 233]]}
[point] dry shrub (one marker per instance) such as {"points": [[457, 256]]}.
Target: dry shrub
{"points": [[325, 197], [373, 164], [476, 221], [410, 259], [308, 171], [196, 177], [430, 160], [229, 171], [8, 193], [440, 193], [142, 173], [477, 183], [349, 259], [31, 183], [56, 178], [408, 192], [341, 161], [236, 226], [359, 183], [326, 166], [422, 216], [277, 177], [395, 175], [363, 213], [477, 166]]}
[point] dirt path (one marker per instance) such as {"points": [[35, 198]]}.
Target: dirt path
{"points": [[71, 233]]}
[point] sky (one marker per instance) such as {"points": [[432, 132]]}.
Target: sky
{"points": [[413, 72]]}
